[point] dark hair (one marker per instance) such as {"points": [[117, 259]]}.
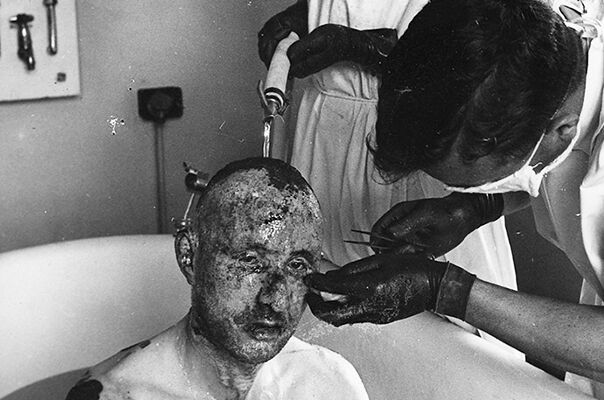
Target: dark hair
{"points": [[492, 72]]}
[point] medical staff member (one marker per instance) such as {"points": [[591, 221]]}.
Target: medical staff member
{"points": [[514, 94], [342, 46]]}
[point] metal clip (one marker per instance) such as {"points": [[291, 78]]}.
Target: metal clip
{"points": [[196, 182]]}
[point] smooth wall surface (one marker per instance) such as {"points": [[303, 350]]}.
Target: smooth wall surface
{"points": [[65, 173]]}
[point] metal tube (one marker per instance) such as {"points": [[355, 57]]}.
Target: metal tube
{"points": [[51, 17], [160, 176]]}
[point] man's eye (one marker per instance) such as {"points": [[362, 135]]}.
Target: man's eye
{"points": [[299, 264], [247, 258]]}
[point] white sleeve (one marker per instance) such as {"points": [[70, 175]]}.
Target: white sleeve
{"points": [[592, 208]]}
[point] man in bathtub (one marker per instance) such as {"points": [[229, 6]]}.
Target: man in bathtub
{"points": [[256, 234]]}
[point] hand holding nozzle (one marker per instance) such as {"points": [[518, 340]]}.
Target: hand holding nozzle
{"points": [[51, 16], [272, 93], [26, 50], [277, 28]]}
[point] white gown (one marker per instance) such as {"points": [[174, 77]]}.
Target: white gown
{"points": [[570, 209], [584, 219], [337, 113], [304, 371]]}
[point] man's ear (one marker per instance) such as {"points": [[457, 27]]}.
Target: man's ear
{"points": [[185, 252], [564, 126], [561, 130]]}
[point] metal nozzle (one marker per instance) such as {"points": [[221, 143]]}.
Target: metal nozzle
{"points": [[26, 50]]}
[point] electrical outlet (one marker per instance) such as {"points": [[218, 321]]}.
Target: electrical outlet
{"points": [[160, 104]]}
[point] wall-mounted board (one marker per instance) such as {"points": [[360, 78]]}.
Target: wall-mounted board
{"points": [[55, 75]]}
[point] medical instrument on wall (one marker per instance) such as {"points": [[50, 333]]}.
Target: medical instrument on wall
{"points": [[51, 17], [26, 50], [272, 93], [196, 182]]}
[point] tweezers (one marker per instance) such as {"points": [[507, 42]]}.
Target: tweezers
{"points": [[367, 244], [376, 235]]}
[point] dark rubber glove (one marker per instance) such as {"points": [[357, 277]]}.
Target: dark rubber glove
{"points": [[331, 43], [389, 287], [434, 226], [294, 18]]}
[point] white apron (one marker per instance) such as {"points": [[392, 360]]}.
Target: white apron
{"points": [[337, 113], [570, 209], [592, 201]]}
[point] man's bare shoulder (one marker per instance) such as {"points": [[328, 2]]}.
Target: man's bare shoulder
{"points": [[102, 380]]}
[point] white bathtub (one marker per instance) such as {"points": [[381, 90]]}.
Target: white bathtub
{"points": [[68, 305]]}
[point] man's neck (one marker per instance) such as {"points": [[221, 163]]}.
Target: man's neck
{"points": [[205, 365]]}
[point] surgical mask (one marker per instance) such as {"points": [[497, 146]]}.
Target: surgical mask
{"points": [[525, 179]]}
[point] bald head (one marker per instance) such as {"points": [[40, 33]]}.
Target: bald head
{"points": [[257, 235], [257, 193]]}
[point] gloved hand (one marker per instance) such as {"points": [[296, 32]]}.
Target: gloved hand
{"points": [[294, 18], [331, 43], [389, 287], [434, 226]]}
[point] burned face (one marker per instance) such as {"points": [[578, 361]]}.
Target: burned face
{"points": [[257, 244]]}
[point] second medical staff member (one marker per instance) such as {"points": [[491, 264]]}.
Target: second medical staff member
{"points": [[341, 48], [496, 118]]}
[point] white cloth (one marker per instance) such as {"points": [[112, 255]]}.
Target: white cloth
{"points": [[305, 371], [592, 217], [572, 216], [337, 113]]}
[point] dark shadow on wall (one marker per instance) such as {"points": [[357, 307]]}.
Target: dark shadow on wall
{"points": [[541, 268]]}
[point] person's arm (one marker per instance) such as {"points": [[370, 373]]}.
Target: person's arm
{"points": [[389, 287], [562, 334], [325, 45], [332, 43]]}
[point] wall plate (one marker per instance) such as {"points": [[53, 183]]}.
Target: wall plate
{"points": [[157, 104], [55, 75]]}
